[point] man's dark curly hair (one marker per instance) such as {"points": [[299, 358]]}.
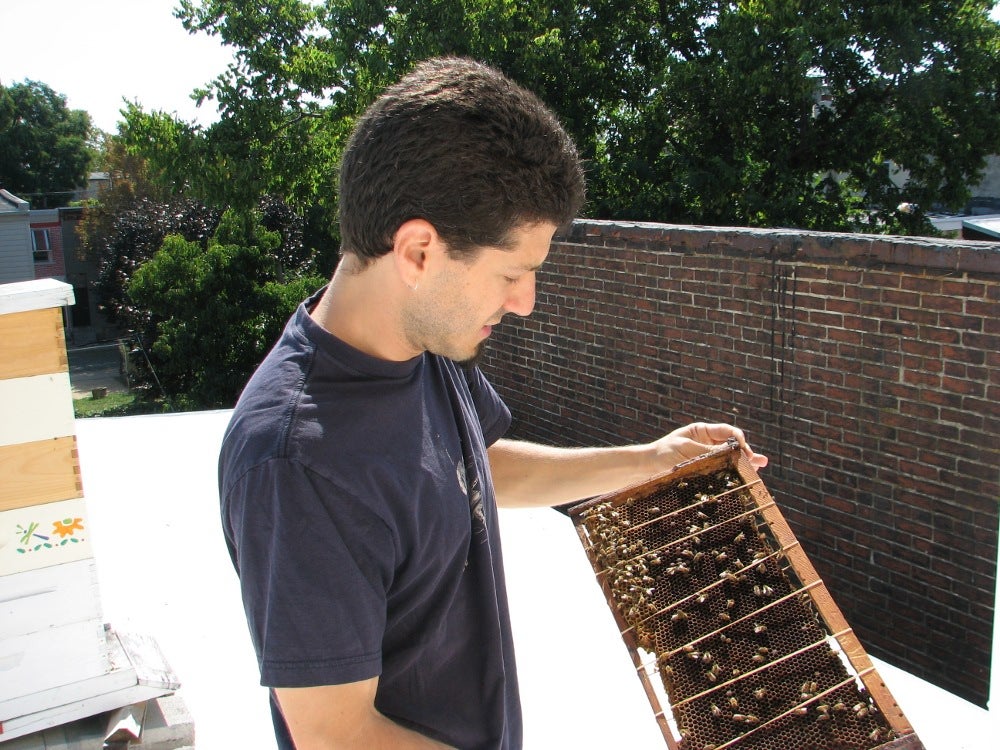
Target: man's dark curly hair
{"points": [[462, 146]]}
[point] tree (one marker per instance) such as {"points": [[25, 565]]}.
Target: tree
{"points": [[685, 110], [45, 151], [214, 310]]}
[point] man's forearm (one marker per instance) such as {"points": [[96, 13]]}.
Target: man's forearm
{"points": [[530, 475], [527, 474]]}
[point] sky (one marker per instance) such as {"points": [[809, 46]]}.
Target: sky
{"points": [[98, 53]]}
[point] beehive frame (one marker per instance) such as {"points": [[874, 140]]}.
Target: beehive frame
{"points": [[726, 620]]}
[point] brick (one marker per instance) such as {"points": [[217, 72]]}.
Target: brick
{"points": [[878, 427]]}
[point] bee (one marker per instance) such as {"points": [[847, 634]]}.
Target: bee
{"points": [[759, 628], [706, 657], [733, 702], [716, 711], [739, 538], [694, 655], [721, 557], [653, 510], [679, 616], [724, 616], [860, 710], [839, 707], [760, 693]]}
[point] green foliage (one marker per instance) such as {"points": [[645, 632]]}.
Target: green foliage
{"points": [[114, 405], [215, 309], [45, 150], [685, 110], [135, 233]]}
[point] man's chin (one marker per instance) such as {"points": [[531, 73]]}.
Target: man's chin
{"points": [[470, 363]]}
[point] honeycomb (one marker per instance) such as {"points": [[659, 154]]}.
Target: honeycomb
{"points": [[724, 615]]}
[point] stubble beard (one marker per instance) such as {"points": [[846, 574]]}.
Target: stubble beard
{"points": [[471, 363]]}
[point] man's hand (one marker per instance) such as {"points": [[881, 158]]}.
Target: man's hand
{"points": [[697, 438]]}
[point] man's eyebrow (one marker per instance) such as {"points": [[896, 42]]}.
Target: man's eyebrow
{"points": [[529, 266]]}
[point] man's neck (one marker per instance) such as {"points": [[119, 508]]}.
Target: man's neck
{"points": [[361, 308]]}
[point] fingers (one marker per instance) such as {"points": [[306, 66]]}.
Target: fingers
{"points": [[720, 432]]}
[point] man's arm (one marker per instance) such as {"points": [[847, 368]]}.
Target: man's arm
{"points": [[530, 475], [343, 717]]}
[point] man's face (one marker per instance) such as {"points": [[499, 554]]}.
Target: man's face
{"points": [[464, 299]]}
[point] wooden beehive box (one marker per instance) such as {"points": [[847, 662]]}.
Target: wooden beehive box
{"points": [[56, 654], [737, 641], [51, 628]]}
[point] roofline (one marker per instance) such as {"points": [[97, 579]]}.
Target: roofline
{"points": [[19, 203]]}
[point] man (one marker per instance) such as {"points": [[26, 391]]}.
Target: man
{"points": [[362, 469]]}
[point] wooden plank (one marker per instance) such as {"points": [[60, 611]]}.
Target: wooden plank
{"points": [[37, 294], [91, 706], [44, 471], [36, 408], [40, 536], [50, 658], [48, 598], [121, 685], [120, 674], [32, 343]]}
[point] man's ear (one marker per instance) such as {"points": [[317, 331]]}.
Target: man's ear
{"points": [[414, 247]]}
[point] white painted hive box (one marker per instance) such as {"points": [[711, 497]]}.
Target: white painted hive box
{"points": [[51, 623]]}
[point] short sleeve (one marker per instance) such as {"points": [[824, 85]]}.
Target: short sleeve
{"points": [[315, 565], [494, 416]]}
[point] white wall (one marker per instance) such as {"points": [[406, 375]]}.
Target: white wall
{"points": [[16, 260]]}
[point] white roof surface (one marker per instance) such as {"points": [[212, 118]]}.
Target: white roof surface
{"points": [[150, 485]]}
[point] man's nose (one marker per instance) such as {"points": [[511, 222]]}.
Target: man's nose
{"points": [[521, 300]]}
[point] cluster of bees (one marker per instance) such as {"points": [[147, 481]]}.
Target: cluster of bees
{"points": [[700, 586]]}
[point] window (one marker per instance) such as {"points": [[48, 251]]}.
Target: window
{"points": [[40, 246]]}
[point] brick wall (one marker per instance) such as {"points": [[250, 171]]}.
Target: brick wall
{"points": [[866, 367], [56, 267]]}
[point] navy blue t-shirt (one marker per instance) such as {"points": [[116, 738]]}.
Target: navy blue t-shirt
{"points": [[358, 508]]}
